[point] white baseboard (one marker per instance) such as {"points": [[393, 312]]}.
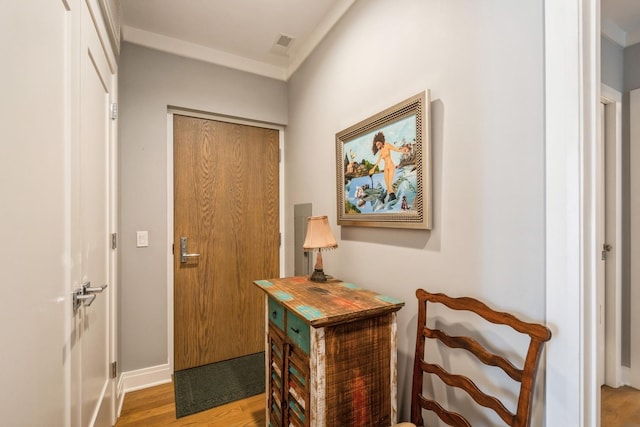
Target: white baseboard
{"points": [[119, 399], [626, 375], [142, 378]]}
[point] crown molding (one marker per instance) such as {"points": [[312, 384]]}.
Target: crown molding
{"points": [[613, 32], [299, 55], [633, 37], [112, 14], [195, 51], [202, 53]]}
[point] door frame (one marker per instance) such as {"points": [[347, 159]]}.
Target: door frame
{"points": [[612, 100], [634, 211], [92, 34], [170, 223], [571, 111], [115, 392]]}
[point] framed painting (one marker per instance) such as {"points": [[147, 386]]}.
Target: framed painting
{"points": [[383, 168]]}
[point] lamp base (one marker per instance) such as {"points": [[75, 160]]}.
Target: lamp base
{"points": [[318, 276]]}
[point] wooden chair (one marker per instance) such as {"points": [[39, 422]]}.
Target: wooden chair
{"points": [[538, 334]]}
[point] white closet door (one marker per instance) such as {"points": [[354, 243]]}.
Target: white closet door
{"points": [[34, 276], [91, 357]]}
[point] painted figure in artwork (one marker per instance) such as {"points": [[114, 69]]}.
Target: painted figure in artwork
{"points": [[384, 149], [405, 204]]}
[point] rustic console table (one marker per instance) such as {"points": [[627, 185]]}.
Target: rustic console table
{"points": [[331, 354]]}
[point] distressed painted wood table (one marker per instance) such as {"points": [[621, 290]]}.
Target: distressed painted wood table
{"points": [[331, 354]]}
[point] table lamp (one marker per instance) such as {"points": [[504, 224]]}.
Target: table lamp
{"points": [[319, 236]]}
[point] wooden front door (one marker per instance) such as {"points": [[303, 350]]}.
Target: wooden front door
{"points": [[226, 206]]}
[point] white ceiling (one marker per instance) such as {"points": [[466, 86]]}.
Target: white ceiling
{"points": [[242, 34], [621, 21]]}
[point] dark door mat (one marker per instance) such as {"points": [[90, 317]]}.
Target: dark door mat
{"points": [[205, 387]]}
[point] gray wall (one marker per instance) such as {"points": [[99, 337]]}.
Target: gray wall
{"points": [[613, 73], [611, 57], [632, 67], [631, 82], [621, 71], [149, 81], [488, 151]]}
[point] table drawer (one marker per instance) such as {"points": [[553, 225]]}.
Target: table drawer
{"points": [[298, 332], [276, 314]]}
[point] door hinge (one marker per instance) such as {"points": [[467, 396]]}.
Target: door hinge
{"points": [[279, 239], [605, 248], [173, 248], [114, 111], [114, 240], [114, 369], [279, 155]]}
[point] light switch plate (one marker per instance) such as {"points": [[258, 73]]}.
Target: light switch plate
{"points": [[142, 239]]}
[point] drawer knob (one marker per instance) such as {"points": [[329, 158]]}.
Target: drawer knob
{"points": [[297, 331], [274, 314]]}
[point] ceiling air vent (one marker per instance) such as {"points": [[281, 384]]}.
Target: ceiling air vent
{"points": [[284, 41]]}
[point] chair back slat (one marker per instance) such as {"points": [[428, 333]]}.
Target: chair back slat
{"points": [[464, 383], [534, 330], [478, 350], [525, 377], [451, 418]]}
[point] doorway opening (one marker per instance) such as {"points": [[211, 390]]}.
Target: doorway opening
{"points": [[610, 213], [277, 210]]}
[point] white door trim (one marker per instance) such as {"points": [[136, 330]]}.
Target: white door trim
{"points": [[613, 287], [170, 271], [572, 83], [113, 254], [169, 243], [634, 202]]}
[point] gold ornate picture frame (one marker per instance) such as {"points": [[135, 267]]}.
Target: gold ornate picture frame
{"points": [[383, 168]]}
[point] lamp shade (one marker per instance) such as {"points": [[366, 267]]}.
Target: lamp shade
{"points": [[319, 235]]}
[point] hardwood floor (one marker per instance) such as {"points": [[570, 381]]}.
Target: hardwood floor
{"points": [[620, 407], [155, 406]]}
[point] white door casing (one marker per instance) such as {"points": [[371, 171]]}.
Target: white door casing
{"points": [[634, 256], [600, 240], [572, 80]]}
